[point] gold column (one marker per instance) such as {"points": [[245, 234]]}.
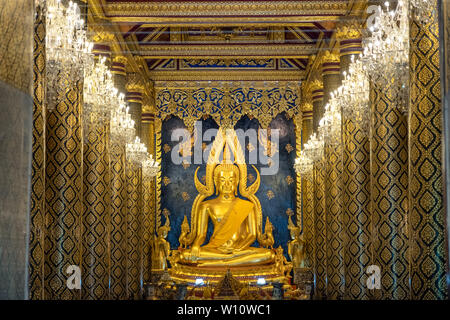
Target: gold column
{"points": [[133, 176], [134, 97], [118, 205], [148, 186], [427, 215], [356, 182], [135, 88], [37, 210], [389, 196], [320, 261], [119, 73], [308, 197], [333, 189], [64, 193], [96, 218]]}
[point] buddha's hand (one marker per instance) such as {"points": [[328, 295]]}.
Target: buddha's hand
{"points": [[195, 252]]}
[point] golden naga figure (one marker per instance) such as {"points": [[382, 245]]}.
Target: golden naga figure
{"points": [[237, 222]]}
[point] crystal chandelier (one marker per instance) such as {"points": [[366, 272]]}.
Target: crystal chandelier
{"points": [[67, 49], [386, 53], [121, 124], [354, 99], [136, 151], [303, 164], [150, 167], [423, 10], [100, 95], [330, 124], [313, 149]]}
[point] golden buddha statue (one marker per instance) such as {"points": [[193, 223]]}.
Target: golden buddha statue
{"points": [[237, 222]]}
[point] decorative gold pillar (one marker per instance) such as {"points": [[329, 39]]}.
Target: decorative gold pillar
{"points": [[134, 177], [333, 189], [308, 197], [320, 261], [118, 205], [119, 73], [427, 215], [148, 194], [96, 217], [64, 192], [134, 97], [356, 181], [389, 196], [118, 223], [37, 210]]}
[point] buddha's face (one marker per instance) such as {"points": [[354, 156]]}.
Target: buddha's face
{"points": [[226, 182]]}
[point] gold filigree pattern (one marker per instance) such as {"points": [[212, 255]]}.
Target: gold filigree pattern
{"points": [[289, 180], [166, 181], [289, 148], [166, 148], [270, 195], [185, 196]]}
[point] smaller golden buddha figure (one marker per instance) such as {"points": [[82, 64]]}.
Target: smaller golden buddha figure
{"points": [[281, 263], [184, 232], [296, 247], [267, 239], [161, 248]]}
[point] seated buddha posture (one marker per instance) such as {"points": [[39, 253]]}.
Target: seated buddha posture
{"points": [[235, 227]]}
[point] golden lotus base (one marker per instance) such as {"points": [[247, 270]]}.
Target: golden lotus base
{"points": [[249, 274]]}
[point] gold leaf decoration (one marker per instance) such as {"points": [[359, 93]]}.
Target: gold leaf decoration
{"points": [[167, 148], [185, 196], [289, 180], [290, 212], [289, 148], [166, 181], [270, 194]]}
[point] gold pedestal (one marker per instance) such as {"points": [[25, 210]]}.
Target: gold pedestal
{"points": [[249, 274]]}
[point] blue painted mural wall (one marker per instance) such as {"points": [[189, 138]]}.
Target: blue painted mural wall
{"points": [[276, 192]]}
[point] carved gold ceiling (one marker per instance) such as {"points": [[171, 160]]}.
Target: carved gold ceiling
{"points": [[219, 40]]}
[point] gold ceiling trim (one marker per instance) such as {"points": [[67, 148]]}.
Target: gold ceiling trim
{"points": [[225, 21], [230, 8], [226, 75], [205, 51]]}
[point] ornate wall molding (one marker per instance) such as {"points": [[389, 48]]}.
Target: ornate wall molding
{"points": [[229, 8], [227, 105]]}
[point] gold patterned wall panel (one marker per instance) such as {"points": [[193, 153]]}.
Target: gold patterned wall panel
{"points": [[308, 203], [63, 190], [15, 26], [356, 209], [148, 229], [320, 229], [427, 223], [37, 209], [96, 217], [334, 227], [390, 196], [118, 225], [133, 175]]}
